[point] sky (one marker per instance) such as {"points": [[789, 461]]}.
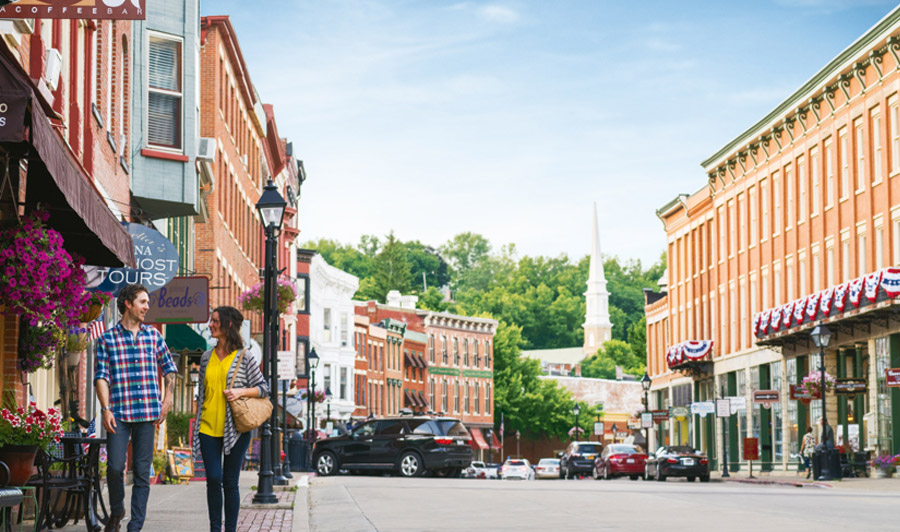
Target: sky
{"points": [[512, 118]]}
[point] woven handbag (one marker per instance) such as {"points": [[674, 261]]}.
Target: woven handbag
{"points": [[248, 412]]}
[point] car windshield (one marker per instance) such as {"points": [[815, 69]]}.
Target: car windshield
{"points": [[549, 461], [441, 427], [687, 449], [516, 463], [587, 448], [623, 449]]}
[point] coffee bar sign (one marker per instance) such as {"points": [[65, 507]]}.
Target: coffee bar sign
{"points": [[67, 9], [156, 259], [183, 300]]}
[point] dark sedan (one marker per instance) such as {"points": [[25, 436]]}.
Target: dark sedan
{"points": [[677, 461]]}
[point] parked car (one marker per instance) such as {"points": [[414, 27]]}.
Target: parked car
{"points": [[518, 468], [547, 468], [677, 461], [482, 470], [618, 460], [578, 458], [410, 446]]}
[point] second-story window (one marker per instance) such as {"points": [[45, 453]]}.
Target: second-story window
{"points": [[164, 94], [326, 325]]}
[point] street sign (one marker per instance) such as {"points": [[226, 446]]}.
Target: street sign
{"points": [[723, 408], [892, 377], [646, 420], [737, 403], [286, 365], [852, 386], [660, 416], [598, 428], [702, 408], [766, 397], [751, 449]]}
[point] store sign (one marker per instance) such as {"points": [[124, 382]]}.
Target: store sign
{"points": [[67, 9], [798, 393], [892, 377], [850, 387], [702, 408], [183, 300], [155, 257], [751, 449], [723, 408], [12, 115], [766, 397], [680, 412], [286, 366], [646, 420], [660, 416], [737, 403]]}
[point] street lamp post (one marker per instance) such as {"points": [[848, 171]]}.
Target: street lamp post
{"points": [[271, 211], [286, 465], [576, 410], [821, 337], [614, 428], [518, 435], [312, 362], [328, 405], [646, 381]]}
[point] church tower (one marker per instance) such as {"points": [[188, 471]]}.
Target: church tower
{"points": [[597, 327]]}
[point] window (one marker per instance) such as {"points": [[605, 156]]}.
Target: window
{"points": [[477, 402], [816, 185], [431, 394], [817, 269], [732, 313], [720, 218], [789, 275], [776, 271], [844, 162], [456, 397], [801, 265], [475, 352], [444, 396], [776, 201], [876, 144], [753, 217], [742, 222], [343, 390], [895, 134], [431, 352], [465, 351], [326, 325], [803, 185], [845, 256], [456, 352], [789, 196], [829, 265], [861, 248], [860, 155], [487, 398], [764, 276], [164, 94], [732, 228], [444, 349], [879, 247], [829, 173], [345, 326], [466, 401]]}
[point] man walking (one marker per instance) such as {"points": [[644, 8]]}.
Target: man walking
{"points": [[127, 383]]}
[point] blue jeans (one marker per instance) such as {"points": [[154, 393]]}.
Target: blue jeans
{"points": [[222, 478], [141, 436]]}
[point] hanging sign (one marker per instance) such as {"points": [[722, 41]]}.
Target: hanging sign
{"points": [[798, 393], [723, 407], [598, 428], [660, 416], [892, 377], [766, 397], [183, 300], [12, 115], [646, 420], [680, 412], [286, 369], [66, 9], [703, 408], [850, 387], [155, 257]]}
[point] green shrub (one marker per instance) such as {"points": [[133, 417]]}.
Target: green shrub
{"points": [[178, 424]]}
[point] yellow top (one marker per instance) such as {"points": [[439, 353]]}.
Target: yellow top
{"points": [[212, 421]]}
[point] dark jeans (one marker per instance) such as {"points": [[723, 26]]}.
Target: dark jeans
{"points": [[222, 477], [141, 435]]}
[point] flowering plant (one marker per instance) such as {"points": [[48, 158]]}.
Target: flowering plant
{"points": [[30, 426], [98, 298], [318, 396], [38, 346], [77, 339], [812, 382], [253, 299], [886, 462], [39, 279]]}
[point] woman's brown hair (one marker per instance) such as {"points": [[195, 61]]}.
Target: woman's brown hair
{"points": [[230, 320]]}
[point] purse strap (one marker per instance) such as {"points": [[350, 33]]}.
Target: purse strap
{"points": [[237, 368]]}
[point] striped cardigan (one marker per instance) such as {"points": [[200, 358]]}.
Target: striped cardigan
{"points": [[248, 376]]}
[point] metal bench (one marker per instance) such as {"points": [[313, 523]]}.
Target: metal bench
{"points": [[9, 497]]}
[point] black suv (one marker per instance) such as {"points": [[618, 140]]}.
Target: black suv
{"points": [[409, 445], [578, 458]]}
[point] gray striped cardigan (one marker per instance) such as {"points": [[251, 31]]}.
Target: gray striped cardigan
{"points": [[248, 376]]}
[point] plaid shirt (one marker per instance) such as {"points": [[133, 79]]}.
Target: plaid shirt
{"points": [[129, 364]]}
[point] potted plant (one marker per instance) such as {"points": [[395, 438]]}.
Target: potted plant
{"points": [[884, 465], [253, 298], [95, 303], [812, 382], [22, 432], [318, 396], [38, 345]]}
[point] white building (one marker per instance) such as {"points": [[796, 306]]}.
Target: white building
{"points": [[331, 335]]}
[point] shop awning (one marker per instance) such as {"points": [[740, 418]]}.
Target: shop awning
{"points": [[477, 439], [421, 359], [409, 398], [409, 361], [421, 398], [59, 184], [183, 339]]}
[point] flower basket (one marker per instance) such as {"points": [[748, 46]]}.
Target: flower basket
{"points": [[318, 396], [38, 346], [94, 306], [884, 465], [813, 382], [22, 432], [77, 340], [253, 299]]}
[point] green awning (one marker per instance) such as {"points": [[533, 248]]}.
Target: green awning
{"points": [[183, 339]]}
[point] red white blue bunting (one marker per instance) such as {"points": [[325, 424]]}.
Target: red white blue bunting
{"points": [[764, 322], [775, 320], [855, 291], [689, 351], [787, 314], [812, 305], [825, 300], [890, 281], [799, 310], [872, 282], [840, 296]]}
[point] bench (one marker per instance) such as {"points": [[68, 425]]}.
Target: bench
{"points": [[9, 497]]}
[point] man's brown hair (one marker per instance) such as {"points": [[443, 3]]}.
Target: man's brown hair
{"points": [[129, 293]]}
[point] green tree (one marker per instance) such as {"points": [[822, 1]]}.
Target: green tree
{"points": [[432, 299], [426, 261], [391, 269], [637, 338], [602, 364], [465, 252]]}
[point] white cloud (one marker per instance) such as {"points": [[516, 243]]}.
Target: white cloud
{"points": [[498, 13]]}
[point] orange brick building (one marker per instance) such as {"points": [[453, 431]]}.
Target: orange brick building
{"points": [[800, 212]]}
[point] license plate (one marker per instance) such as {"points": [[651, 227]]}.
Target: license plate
{"points": [[590, 457], [630, 461], [688, 461]]}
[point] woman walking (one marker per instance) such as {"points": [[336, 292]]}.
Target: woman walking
{"points": [[807, 448], [215, 436]]}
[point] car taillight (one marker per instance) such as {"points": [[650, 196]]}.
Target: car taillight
{"points": [[704, 461], [443, 441], [672, 460], [469, 442]]}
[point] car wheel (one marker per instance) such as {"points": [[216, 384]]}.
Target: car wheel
{"points": [[594, 474], [634, 477], [646, 473], [659, 476], [410, 464], [327, 464], [691, 479], [606, 473], [704, 478]]}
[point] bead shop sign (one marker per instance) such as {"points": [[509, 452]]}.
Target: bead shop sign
{"points": [[183, 300], [156, 259]]}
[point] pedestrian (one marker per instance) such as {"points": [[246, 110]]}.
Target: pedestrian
{"points": [[129, 358], [807, 448], [215, 437]]}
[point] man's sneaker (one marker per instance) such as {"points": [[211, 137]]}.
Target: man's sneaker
{"points": [[113, 524]]}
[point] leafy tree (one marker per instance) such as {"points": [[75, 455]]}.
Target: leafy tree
{"points": [[391, 269], [637, 337], [433, 299], [425, 260], [602, 364], [465, 252]]}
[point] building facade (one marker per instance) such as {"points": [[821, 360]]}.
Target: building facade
{"points": [[799, 217]]}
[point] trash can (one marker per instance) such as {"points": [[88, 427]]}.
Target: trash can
{"points": [[832, 457], [298, 452]]}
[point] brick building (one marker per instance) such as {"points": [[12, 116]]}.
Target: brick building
{"points": [[796, 226]]}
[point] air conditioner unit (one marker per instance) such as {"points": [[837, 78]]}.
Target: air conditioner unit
{"points": [[54, 67], [206, 150]]}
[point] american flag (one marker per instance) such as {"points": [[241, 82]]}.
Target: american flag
{"points": [[98, 327], [91, 433]]}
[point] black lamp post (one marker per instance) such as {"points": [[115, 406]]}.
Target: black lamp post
{"points": [[328, 404], [576, 410], [821, 336], [518, 435], [313, 362], [646, 381], [286, 465], [271, 211]]}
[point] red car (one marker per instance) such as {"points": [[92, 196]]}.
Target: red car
{"points": [[618, 460]]}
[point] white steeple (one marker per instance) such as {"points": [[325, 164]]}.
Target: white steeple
{"points": [[597, 327]]}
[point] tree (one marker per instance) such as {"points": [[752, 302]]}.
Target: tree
{"points": [[391, 269], [602, 364], [426, 261], [637, 338], [465, 252], [432, 299]]}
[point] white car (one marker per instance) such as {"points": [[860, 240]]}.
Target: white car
{"points": [[547, 468], [481, 470], [518, 468]]}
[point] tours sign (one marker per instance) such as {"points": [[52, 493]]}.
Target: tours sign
{"points": [[76, 9], [155, 257]]}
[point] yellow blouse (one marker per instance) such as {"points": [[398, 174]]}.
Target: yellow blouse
{"points": [[212, 420]]}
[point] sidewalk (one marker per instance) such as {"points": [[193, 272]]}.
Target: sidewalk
{"points": [[783, 478], [182, 507]]}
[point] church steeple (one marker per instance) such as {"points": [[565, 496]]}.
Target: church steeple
{"points": [[597, 327]]}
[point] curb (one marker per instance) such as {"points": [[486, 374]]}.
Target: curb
{"points": [[794, 484]]}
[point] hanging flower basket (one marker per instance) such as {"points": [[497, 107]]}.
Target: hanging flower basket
{"points": [[318, 396], [813, 382], [38, 345], [94, 306], [77, 340], [253, 299]]}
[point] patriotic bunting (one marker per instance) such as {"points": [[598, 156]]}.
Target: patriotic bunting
{"points": [[872, 282], [775, 321], [855, 290], [799, 310], [691, 350], [756, 318], [825, 300], [890, 281], [840, 296], [812, 305], [787, 313], [764, 322]]}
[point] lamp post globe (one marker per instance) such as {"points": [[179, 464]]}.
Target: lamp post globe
{"points": [[271, 206], [821, 337], [646, 381]]}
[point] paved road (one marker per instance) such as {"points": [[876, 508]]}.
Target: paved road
{"points": [[348, 503]]}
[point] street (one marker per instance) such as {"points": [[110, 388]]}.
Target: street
{"points": [[355, 503]]}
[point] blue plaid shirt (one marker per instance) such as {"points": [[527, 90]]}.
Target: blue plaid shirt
{"points": [[129, 364]]}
